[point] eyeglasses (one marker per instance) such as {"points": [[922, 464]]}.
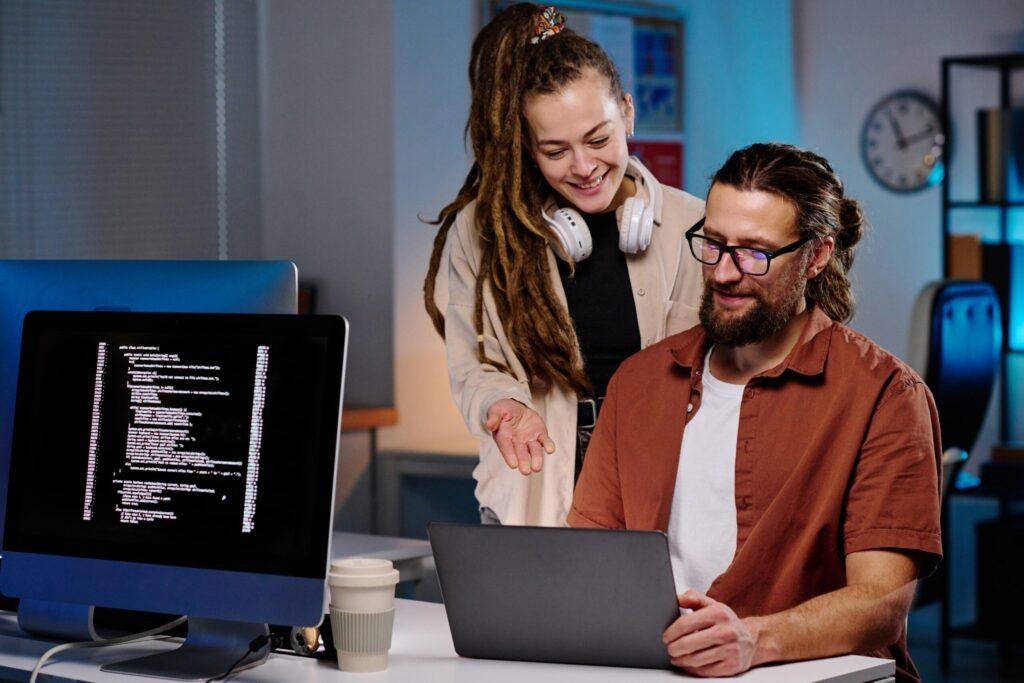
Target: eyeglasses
{"points": [[748, 260]]}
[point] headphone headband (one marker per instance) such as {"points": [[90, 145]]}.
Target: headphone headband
{"points": [[651, 187]]}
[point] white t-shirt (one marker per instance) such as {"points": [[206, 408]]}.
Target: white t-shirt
{"points": [[702, 522]]}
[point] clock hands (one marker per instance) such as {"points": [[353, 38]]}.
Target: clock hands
{"points": [[926, 134], [901, 142]]}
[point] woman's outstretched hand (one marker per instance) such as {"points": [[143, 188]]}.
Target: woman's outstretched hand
{"points": [[520, 433]]}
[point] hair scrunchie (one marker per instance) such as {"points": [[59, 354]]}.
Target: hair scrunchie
{"points": [[549, 22]]}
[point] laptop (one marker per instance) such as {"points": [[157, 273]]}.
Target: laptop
{"points": [[568, 596]]}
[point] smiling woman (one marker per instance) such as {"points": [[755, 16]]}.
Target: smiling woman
{"points": [[585, 166], [564, 260]]}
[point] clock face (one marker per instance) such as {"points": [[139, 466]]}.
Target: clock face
{"points": [[902, 142]]}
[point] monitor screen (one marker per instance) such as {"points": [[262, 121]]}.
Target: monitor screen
{"points": [[195, 286], [179, 440]]}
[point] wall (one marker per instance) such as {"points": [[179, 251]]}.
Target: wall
{"points": [[850, 55], [328, 187], [328, 180], [740, 85], [431, 103]]}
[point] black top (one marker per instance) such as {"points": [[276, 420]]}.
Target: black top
{"points": [[600, 300]]}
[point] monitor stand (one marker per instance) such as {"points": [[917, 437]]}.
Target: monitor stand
{"points": [[62, 620], [210, 649]]}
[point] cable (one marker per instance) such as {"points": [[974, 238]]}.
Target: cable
{"points": [[145, 635], [254, 646]]}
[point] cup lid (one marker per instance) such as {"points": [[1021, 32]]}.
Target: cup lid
{"points": [[362, 572]]}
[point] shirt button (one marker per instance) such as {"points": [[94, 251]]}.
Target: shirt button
{"points": [[641, 291], [689, 407]]}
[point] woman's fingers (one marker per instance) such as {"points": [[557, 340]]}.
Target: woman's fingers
{"points": [[546, 442], [536, 455], [507, 450], [522, 456]]}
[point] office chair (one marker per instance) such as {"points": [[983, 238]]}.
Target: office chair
{"points": [[955, 345]]}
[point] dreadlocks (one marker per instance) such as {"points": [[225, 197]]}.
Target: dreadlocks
{"points": [[507, 66]]}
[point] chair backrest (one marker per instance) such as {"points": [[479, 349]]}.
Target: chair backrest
{"points": [[955, 344]]}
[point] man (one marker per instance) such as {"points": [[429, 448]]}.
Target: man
{"points": [[792, 462]]}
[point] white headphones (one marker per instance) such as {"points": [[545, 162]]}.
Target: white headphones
{"points": [[636, 222]]}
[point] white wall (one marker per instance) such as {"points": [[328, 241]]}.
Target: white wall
{"points": [[850, 55], [739, 81], [432, 43], [328, 187], [328, 181]]}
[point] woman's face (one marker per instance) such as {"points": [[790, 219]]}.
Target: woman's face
{"points": [[578, 141]]}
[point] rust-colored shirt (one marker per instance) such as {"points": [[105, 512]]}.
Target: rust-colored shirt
{"points": [[837, 451]]}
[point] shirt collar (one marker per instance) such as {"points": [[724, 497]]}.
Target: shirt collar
{"points": [[807, 357]]}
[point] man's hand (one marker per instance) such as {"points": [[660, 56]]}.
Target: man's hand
{"points": [[520, 434], [711, 640]]}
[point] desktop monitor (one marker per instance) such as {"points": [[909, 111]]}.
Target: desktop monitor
{"points": [[176, 463], [186, 286]]}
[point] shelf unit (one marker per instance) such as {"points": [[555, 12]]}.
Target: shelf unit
{"points": [[1004, 65]]}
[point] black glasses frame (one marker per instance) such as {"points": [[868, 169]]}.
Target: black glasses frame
{"points": [[731, 250]]}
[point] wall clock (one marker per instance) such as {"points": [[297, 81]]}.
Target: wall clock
{"points": [[902, 142]]}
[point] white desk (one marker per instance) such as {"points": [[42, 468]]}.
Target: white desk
{"points": [[421, 652]]}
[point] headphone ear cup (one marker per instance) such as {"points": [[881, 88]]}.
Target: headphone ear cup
{"points": [[629, 225], [645, 205], [573, 236], [646, 228]]}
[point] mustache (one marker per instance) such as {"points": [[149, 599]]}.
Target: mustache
{"points": [[730, 290]]}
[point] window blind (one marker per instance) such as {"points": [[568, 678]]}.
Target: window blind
{"points": [[128, 129]]}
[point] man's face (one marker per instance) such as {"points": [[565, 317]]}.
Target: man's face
{"points": [[737, 308]]}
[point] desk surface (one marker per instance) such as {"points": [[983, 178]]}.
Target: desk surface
{"points": [[346, 544], [421, 651]]}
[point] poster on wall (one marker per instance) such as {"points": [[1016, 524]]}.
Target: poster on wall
{"points": [[657, 76], [663, 158]]}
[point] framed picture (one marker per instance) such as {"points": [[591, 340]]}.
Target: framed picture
{"points": [[658, 75]]}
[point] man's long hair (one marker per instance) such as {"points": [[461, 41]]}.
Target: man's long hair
{"points": [[808, 181]]}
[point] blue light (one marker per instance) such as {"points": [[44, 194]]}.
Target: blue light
{"points": [[1015, 333]]}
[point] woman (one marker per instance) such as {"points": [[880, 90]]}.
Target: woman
{"points": [[565, 259]]}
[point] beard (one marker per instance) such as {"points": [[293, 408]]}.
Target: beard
{"points": [[768, 316]]}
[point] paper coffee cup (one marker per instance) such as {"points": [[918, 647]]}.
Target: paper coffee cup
{"points": [[362, 611]]}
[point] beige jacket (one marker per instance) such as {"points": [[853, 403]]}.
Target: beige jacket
{"points": [[666, 283]]}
